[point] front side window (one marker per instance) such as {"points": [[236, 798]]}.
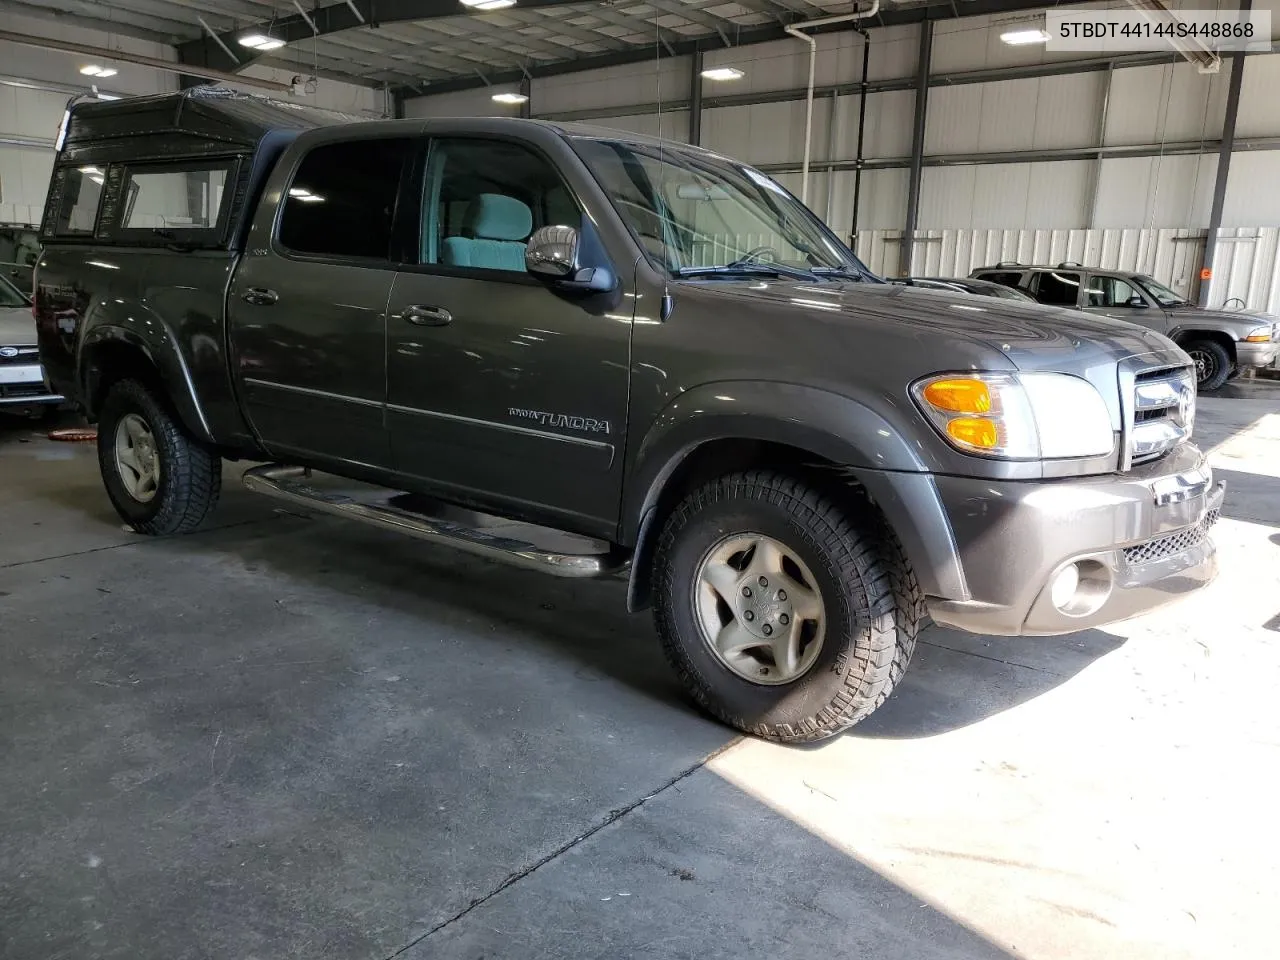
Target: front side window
{"points": [[692, 211], [1111, 292], [1058, 289], [11, 296], [174, 198], [483, 198], [1163, 295], [342, 200]]}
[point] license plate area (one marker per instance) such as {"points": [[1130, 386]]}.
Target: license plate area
{"points": [[26, 373]]}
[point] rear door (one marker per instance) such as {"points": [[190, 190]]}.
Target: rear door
{"points": [[308, 304]]}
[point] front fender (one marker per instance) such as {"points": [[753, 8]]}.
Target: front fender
{"points": [[872, 450], [1191, 327], [152, 338]]}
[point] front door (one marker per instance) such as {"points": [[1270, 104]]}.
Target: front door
{"points": [[1118, 298], [502, 391], [308, 305]]}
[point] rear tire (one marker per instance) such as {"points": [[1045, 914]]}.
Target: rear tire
{"points": [[160, 480], [1213, 363], [759, 530]]}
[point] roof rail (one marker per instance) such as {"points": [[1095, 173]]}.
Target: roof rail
{"points": [[1070, 263], [1010, 263]]}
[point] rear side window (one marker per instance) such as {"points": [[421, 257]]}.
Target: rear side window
{"points": [[174, 199], [78, 206], [342, 201], [1058, 289]]}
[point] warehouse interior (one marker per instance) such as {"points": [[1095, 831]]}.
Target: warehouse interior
{"points": [[288, 735]]}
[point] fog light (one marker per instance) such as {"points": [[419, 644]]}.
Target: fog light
{"points": [[1063, 589], [1081, 588]]}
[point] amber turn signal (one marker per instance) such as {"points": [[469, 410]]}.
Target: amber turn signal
{"points": [[1258, 338], [974, 432], [959, 395]]}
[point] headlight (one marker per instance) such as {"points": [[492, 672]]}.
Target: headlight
{"points": [[1259, 335], [1027, 416]]}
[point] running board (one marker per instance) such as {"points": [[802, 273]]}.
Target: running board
{"points": [[428, 520]]}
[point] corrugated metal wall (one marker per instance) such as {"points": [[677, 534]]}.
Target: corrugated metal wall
{"points": [[1247, 262]]}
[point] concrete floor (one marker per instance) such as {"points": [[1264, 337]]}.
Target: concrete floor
{"points": [[292, 737]]}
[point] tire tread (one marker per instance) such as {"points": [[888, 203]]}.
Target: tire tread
{"points": [[880, 584]]}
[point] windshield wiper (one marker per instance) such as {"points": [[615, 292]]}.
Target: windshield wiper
{"points": [[748, 270], [843, 272]]}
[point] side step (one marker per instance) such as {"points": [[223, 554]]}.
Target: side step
{"points": [[429, 520]]}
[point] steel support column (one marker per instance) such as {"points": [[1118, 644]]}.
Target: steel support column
{"points": [[526, 91], [695, 98], [917, 147], [1225, 149], [1104, 107]]}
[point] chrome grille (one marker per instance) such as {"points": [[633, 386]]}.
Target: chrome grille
{"points": [[1164, 411], [1173, 544]]}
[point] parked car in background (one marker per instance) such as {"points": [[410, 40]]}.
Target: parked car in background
{"points": [[19, 250], [1221, 342], [979, 288], [23, 386]]}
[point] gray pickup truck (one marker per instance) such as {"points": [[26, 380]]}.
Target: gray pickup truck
{"points": [[1221, 343], [597, 354]]}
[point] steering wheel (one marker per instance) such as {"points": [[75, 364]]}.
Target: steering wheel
{"points": [[753, 255], [1227, 305]]}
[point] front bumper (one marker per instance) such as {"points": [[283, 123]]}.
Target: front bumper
{"points": [[25, 385], [1256, 354], [1141, 540]]}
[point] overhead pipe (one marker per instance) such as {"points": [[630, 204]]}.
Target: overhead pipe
{"points": [[862, 127], [797, 30], [169, 66]]}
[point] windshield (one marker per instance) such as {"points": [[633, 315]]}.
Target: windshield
{"points": [[11, 296], [1163, 295], [693, 212]]}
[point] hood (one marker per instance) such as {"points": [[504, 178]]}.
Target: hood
{"points": [[17, 327], [1242, 319], [1030, 335]]}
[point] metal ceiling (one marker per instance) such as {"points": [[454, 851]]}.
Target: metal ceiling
{"points": [[416, 46]]}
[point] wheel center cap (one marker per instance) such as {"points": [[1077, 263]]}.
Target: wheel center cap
{"points": [[765, 611]]}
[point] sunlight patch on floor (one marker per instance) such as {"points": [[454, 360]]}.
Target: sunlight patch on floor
{"points": [[1124, 812]]}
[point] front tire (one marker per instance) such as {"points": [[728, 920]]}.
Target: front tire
{"points": [[1213, 363], [785, 614], [160, 480]]}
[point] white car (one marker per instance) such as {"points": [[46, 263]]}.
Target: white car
{"points": [[23, 386]]}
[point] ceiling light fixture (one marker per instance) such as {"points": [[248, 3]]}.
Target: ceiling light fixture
{"points": [[488, 4], [93, 70], [260, 41], [510, 98], [723, 73], [1024, 36]]}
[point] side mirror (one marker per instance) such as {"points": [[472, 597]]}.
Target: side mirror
{"points": [[552, 254], [1136, 302]]}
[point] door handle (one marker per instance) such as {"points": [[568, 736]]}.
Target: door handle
{"points": [[427, 316], [260, 296]]}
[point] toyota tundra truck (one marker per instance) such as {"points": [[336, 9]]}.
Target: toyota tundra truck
{"points": [[596, 354]]}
